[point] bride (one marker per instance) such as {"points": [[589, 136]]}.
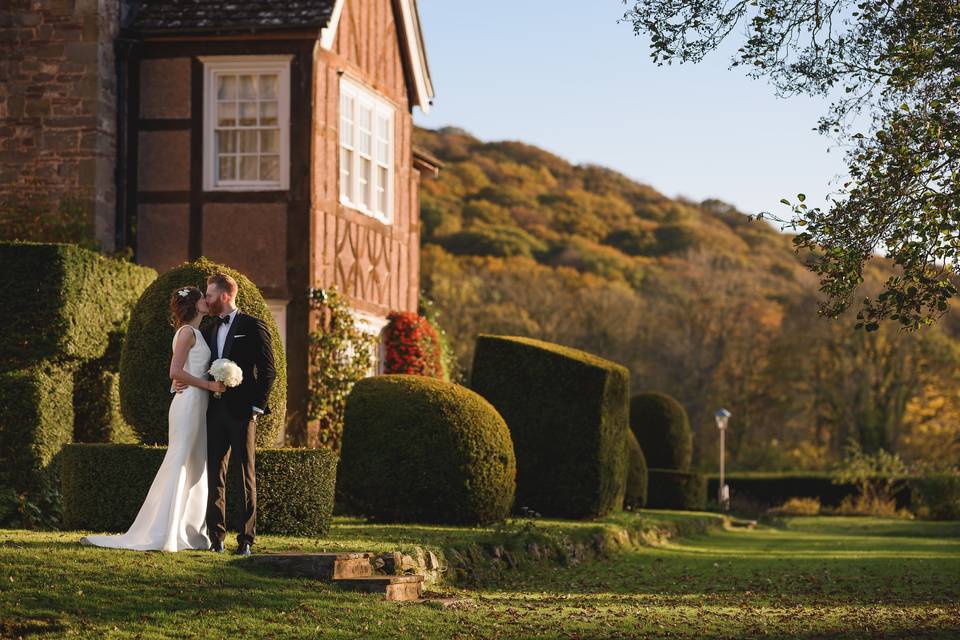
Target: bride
{"points": [[173, 515]]}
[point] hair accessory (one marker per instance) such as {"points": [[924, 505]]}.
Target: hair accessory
{"points": [[184, 292]]}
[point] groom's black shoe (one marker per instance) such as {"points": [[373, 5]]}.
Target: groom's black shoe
{"points": [[243, 549], [217, 545]]}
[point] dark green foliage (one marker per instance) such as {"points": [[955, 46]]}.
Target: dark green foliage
{"points": [[96, 407], [937, 496], [663, 430], [145, 361], [567, 413], [69, 301], [424, 450], [633, 242], [36, 420], [104, 486], [636, 494], [771, 489], [671, 489], [674, 238], [493, 240], [32, 509]]}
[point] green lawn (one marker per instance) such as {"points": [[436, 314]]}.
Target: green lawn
{"points": [[811, 578]]}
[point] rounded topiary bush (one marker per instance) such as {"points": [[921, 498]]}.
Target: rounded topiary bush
{"points": [[672, 489], [663, 430], [419, 449], [636, 493], [145, 360]]}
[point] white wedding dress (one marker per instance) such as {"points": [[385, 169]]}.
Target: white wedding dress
{"points": [[173, 516]]}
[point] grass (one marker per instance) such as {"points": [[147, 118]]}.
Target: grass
{"points": [[817, 577]]}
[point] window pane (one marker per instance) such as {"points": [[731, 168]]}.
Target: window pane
{"points": [[346, 171], [227, 168], [248, 88], [382, 189], [248, 114], [366, 117], [226, 87], [363, 142], [248, 141], [270, 168], [270, 141], [226, 142], [383, 152], [365, 196], [268, 114], [268, 86], [227, 114], [248, 167]]}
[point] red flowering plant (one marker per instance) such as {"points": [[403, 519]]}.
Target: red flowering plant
{"points": [[412, 345]]}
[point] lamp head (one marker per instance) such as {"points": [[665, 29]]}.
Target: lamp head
{"points": [[722, 417]]}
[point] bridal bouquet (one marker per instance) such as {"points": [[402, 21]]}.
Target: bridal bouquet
{"points": [[227, 372]]}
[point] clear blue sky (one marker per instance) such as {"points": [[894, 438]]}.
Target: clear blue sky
{"points": [[565, 76]]}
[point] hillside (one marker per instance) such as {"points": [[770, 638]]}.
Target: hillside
{"points": [[696, 299]]}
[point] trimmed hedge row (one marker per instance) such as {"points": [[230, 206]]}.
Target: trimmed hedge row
{"points": [[421, 449], [69, 301], [36, 421], [663, 430], [104, 486], [567, 411], [145, 360], [637, 480], [672, 489], [771, 489]]}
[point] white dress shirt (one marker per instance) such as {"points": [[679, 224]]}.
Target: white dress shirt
{"points": [[222, 331]]}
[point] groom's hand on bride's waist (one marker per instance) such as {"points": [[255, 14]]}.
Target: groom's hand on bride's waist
{"points": [[179, 386]]}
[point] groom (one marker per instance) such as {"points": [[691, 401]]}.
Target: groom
{"points": [[232, 418]]}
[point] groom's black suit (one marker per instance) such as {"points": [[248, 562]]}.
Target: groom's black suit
{"points": [[230, 420]]}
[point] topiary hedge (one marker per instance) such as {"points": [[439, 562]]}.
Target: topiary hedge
{"points": [[672, 489], [419, 449], [636, 493], [567, 414], [69, 302], [145, 360], [765, 489], [663, 430], [104, 486], [36, 421]]}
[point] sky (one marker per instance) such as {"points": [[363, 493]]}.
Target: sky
{"points": [[566, 76]]}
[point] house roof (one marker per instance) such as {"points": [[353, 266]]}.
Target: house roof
{"points": [[225, 15]]}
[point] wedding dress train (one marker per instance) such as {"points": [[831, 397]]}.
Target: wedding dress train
{"points": [[173, 516]]}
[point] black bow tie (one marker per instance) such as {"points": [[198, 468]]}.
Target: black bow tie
{"points": [[222, 320]]}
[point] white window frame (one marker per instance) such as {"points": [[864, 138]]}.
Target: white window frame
{"points": [[214, 65], [373, 325], [379, 108]]}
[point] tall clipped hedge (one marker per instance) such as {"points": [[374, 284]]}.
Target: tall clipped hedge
{"points": [[567, 414], [69, 302], [663, 430], [672, 489], [36, 421], [636, 494], [104, 486], [145, 360], [425, 450]]}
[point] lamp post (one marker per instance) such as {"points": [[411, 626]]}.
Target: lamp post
{"points": [[723, 493]]}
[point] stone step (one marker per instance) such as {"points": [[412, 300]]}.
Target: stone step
{"points": [[321, 566], [398, 588]]}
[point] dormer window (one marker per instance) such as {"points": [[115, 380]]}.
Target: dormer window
{"points": [[366, 151], [246, 139]]}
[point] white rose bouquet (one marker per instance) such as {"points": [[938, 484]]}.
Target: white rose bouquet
{"points": [[227, 372]]}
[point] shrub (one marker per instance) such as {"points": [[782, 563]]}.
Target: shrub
{"points": [[770, 489], [339, 354], [798, 507], [878, 477], [636, 494], [69, 302], [96, 407], [937, 496], [567, 414], [493, 240], [36, 421], [104, 486], [145, 360], [672, 489], [424, 450], [663, 430], [412, 346]]}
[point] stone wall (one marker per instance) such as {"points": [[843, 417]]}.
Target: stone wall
{"points": [[58, 107]]}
